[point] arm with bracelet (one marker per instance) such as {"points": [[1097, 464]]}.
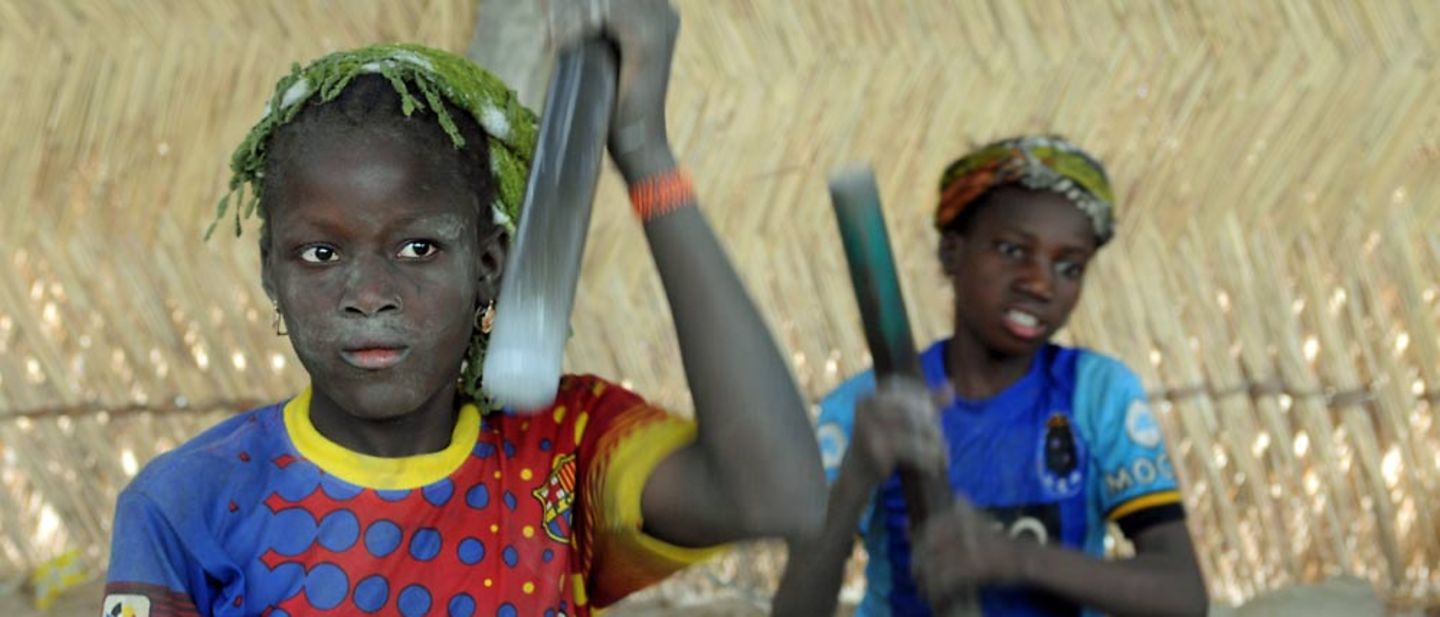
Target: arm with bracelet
{"points": [[751, 420]]}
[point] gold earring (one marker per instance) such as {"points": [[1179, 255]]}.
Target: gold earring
{"points": [[485, 319], [277, 322]]}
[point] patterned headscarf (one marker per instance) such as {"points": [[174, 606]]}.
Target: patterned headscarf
{"points": [[1042, 163], [425, 79]]}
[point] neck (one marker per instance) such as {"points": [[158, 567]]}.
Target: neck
{"points": [[977, 372], [425, 429]]}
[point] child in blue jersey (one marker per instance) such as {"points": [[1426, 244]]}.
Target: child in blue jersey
{"points": [[1043, 444], [388, 180]]}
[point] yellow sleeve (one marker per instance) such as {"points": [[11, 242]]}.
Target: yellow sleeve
{"points": [[625, 448]]}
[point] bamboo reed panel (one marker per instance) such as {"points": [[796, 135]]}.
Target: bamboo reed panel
{"points": [[1278, 166]]}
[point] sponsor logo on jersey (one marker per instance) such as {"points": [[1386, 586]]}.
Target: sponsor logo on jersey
{"points": [[1141, 472], [1140, 424]]}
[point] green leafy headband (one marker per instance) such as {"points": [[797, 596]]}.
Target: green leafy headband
{"points": [[437, 75]]}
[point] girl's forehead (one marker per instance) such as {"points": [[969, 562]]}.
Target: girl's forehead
{"points": [[1045, 215], [1019, 205], [349, 181]]}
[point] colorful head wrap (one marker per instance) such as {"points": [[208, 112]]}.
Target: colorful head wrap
{"points": [[1048, 163], [439, 77]]}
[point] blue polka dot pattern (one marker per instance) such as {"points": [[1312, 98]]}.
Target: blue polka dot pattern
{"points": [[382, 538], [326, 586], [425, 544], [393, 495], [478, 496], [290, 571], [414, 601], [371, 593], [339, 530], [471, 551], [438, 493], [301, 479], [347, 549], [462, 605], [339, 490], [300, 529]]}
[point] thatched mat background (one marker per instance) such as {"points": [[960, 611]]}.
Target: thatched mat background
{"points": [[1278, 166]]}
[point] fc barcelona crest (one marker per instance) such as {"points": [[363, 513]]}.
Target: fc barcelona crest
{"points": [[556, 496]]}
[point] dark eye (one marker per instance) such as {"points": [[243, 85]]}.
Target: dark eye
{"points": [[1072, 270], [318, 254], [418, 249], [1009, 249]]}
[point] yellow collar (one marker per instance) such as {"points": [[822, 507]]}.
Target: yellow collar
{"points": [[379, 472]]}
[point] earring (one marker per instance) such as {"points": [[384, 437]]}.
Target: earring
{"points": [[485, 319], [277, 321]]}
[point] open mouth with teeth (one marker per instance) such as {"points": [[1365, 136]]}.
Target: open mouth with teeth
{"points": [[1024, 325]]}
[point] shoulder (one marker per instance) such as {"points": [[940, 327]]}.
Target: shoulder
{"points": [[586, 387], [836, 423], [1109, 396], [1093, 367], [587, 409], [1111, 404], [1100, 381], [840, 402], [188, 474], [579, 401]]}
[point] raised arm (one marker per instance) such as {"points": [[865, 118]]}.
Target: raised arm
{"points": [[754, 469]]}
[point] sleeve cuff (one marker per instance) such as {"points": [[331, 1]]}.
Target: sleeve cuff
{"points": [[631, 464], [627, 558], [1145, 511]]}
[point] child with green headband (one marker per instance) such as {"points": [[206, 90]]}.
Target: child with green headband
{"points": [[387, 181], [1043, 445]]}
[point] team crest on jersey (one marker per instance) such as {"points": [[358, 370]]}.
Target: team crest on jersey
{"points": [[1058, 462], [556, 496], [126, 605]]}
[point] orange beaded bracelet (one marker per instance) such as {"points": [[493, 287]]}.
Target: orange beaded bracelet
{"points": [[662, 194]]}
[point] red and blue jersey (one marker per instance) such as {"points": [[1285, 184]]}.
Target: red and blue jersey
{"points": [[1053, 458], [520, 515]]}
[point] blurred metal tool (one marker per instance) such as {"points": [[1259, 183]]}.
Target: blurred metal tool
{"points": [[532, 315]]}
